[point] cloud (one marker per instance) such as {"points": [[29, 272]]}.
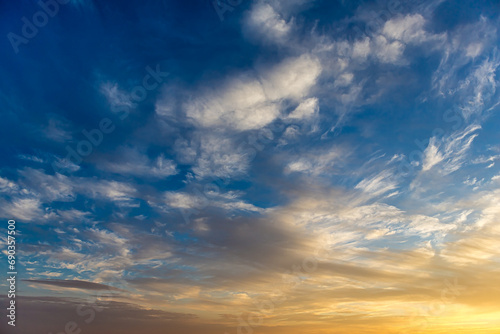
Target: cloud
{"points": [[254, 101], [407, 29], [449, 154], [129, 161], [115, 96], [305, 110], [198, 201], [73, 215], [483, 85], [58, 129], [477, 40], [108, 190], [73, 284], [387, 44], [321, 162], [48, 188], [378, 184], [101, 315], [31, 158], [265, 23], [23, 209], [432, 155], [7, 186], [219, 157], [386, 51], [235, 140], [183, 201]]}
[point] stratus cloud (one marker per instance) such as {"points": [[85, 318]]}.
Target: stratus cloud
{"points": [[72, 284], [100, 316], [252, 102]]}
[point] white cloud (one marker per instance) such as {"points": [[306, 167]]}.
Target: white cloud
{"points": [[108, 238], [132, 162], [344, 80], [361, 49], [73, 215], [198, 200], [243, 106], [293, 78], [103, 189], [432, 155], [449, 153], [250, 102], [48, 188], [378, 184], [265, 23], [486, 159], [388, 44], [483, 87], [424, 226], [23, 209], [31, 158], [58, 129], [476, 39], [305, 110], [407, 29], [474, 49], [7, 186], [219, 157], [184, 200], [387, 51], [115, 96], [316, 163]]}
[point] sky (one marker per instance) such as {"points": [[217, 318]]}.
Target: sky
{"points": [[251, 166]]}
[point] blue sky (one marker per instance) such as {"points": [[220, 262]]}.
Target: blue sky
{"points": [[183, 155]]}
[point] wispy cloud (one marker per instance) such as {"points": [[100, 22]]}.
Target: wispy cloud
{"points": [[450, 153]]}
